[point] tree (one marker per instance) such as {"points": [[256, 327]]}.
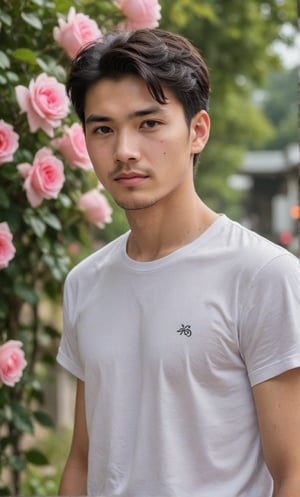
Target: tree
{"points": [[279, 105]]}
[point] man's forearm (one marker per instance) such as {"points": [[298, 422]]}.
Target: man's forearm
{"points": [[73, 480]]}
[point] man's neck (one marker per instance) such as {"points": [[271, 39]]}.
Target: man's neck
{"points": [[157, 232]]}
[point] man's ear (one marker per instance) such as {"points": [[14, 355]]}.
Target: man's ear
{"points": [[200, 127]]}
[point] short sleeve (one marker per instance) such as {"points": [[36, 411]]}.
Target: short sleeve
{"points": [[68, 355], [269, 330]]}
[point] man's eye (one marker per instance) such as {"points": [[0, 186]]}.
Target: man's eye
{"points": [[151, 123], [102, 130]]}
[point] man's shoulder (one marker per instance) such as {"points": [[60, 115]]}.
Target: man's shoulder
{"points": [[98, 259], [251, 253], [251, 243]]}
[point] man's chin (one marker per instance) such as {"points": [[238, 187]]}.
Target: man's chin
{"points": [[135, 206]]}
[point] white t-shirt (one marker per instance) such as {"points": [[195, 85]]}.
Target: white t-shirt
{"points": [[169, 350]]}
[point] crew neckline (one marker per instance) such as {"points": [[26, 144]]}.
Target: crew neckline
{"points": [[173, 256]]}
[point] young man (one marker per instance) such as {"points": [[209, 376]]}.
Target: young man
{"points": [[184, 334]]}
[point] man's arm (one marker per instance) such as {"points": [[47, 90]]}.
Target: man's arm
{"points": [[74, 477], [278, 409]]}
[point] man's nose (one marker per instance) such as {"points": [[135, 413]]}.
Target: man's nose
{"points": [[126, 148]]}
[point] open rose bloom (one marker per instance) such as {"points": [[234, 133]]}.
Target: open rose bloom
{"points": [[9, 142], [7, 249], [12, 362], [95, 207], [44, 178], [76, 32], [140, 13], [72, 146], [45, 102]]}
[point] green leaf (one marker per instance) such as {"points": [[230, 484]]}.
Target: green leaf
{"points": [[49, 260], [3, 81], [64, 200], [12, 76], [21, 418], [44, 419], [5, 18], [25, 292], [4, 60], [38, 226], [51, 220], [25, 55], [35, 222], [57, 274], [16, 463], [36, 457], [60, 73], [43, 65], [57, 270], [32, 20]]}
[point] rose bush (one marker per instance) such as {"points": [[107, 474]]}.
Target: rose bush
{"points": [[50, 206], [7, 249], [9, 142], [12, 362]]}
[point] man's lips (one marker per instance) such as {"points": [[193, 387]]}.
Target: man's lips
{"points": [[130, 179]]}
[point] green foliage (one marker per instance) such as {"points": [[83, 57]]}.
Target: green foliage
{"points": [[280, 106], [42, 235]]}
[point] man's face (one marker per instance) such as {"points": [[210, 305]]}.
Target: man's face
{"points": [[141, 150]]}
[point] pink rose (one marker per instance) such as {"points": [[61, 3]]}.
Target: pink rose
{"points": [[7, 249], [140, 13], [9, 142], [12, 362], [76, 32], [45, 102], [95, 207], [44, 178], [72, 146]]}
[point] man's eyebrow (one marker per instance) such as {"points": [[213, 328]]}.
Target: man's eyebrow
{"points": [[155, 109], [95, 118]]}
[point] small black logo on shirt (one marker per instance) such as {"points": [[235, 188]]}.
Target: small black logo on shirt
{"points": [[185, 330]]}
